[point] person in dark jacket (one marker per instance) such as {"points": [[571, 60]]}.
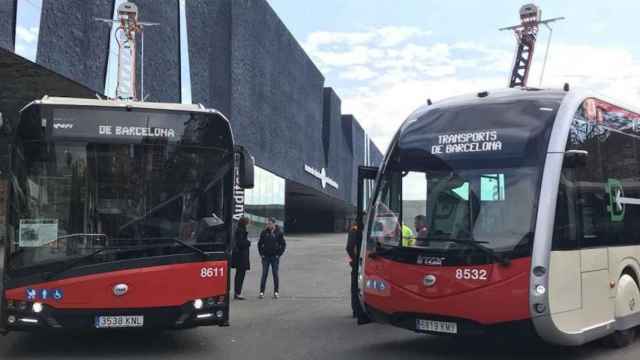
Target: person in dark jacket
{"points": [[352, 251], [271, 246], [240, 256]]}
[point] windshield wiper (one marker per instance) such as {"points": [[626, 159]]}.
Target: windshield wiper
{"points": [[502, 260], [195, 249], [76, 263], [381, 251], [175, 240], [82, 259]]}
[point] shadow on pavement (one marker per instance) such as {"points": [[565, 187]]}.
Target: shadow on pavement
{"points": [[116, 344], [481, 347]]}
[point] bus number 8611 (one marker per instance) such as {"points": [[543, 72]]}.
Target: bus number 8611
{"points": [[211, 272]]}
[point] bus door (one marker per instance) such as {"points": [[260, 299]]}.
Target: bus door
{"points": [[366, 179], [2, 301], [4, 243], [580, 294]]}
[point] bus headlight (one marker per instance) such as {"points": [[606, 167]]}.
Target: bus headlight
{"points": [[539, 271], [540, 290], [37, 307], [198, 304]]}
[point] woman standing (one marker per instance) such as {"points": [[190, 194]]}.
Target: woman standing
{"points": [[240, 256]]}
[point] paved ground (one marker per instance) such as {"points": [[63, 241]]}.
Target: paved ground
{"points": [[310, 321]]}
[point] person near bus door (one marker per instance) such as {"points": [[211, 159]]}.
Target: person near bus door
{"points": [[271, 246], [422, 230], [352, 251], [408, 240], [240, 256], [352, 248]]}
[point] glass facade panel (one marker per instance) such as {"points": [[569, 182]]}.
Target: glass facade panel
{"points": [[28, 28], [111, 79], [185, 69], [265, 200]]}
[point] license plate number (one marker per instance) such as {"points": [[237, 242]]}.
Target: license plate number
{"points": [[119, 321], [437, 326]]}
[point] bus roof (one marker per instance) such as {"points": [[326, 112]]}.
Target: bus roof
{"points": [[495, 95], [527, 92], [68, 101], [569, 102]]}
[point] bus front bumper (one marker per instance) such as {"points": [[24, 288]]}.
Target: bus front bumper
{"points": [[446, 325], [178, 317]]}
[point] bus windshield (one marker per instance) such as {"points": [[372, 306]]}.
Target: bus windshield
{"points": [[440, 209], [464, 179], [135, 199]]}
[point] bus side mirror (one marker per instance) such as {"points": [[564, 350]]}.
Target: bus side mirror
{"points": [[246, 162], [574, 159]]}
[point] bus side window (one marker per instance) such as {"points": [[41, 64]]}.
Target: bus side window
{"points": [[385, 228], [623, 175], [566, 224], [581, 211], [612, 171]]}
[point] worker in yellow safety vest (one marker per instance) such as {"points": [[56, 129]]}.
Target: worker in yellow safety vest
{"points": [[408, 240]]}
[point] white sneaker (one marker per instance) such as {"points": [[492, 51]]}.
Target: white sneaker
{"points": [[261, 296], [276, 295]]}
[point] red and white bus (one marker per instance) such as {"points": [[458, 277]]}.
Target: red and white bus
{"points": [[524, 210], [118, 215]]}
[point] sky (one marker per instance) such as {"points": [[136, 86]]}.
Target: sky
{"points": [[384, 58]]}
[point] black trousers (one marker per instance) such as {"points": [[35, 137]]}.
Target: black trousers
{"points": [[355, 302], [238, 281]]}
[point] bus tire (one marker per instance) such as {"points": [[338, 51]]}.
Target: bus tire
{"points": [[363, 317], [627, 296], [620, 339], [361, 313]]}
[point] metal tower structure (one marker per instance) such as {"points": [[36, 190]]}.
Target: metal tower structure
{"points": [[526, 34], [128, 28]]}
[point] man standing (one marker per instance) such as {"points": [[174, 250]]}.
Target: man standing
{"points": [[271, 246]]}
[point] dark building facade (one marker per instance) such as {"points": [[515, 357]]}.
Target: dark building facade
{"points": [[243, 61], [7, 23]]}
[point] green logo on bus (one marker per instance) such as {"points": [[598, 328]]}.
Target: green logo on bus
{"points": [[616, 206]]}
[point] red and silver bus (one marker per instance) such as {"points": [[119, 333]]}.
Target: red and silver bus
{"points": [[517, 208], [118, 215]]}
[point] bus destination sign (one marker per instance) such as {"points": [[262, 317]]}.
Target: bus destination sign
{"points": [[468, 142]]}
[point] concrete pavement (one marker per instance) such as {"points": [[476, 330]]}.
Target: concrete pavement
{"points": [[311, 320]]}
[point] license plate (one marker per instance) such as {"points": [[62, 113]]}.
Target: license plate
{"points": [[437, 326], [119, 321]]}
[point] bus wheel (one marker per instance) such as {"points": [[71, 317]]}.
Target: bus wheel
{"points": [[627, 301], [362, 316], [357, 286], [620, 339]]}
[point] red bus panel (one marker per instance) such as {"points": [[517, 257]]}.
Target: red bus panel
{"points": [[487, 294], [158, 286]]}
